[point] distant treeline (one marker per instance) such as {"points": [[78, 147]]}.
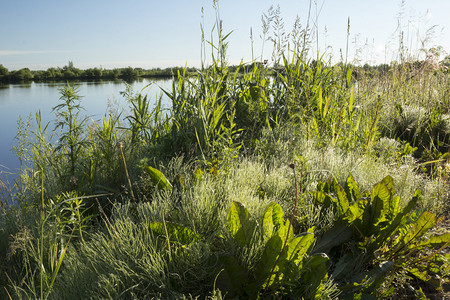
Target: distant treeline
{"points": [[69, 73]]}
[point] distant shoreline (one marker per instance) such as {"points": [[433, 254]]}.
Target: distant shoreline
{"points": [[71, 73]]}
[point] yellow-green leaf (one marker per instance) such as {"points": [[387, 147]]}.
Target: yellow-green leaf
{"points": [[158, 178]]}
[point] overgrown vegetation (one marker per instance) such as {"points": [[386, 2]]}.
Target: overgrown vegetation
{"points": [[303, 183]]}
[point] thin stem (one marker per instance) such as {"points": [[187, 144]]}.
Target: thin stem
{"points": [[119, 145], [296, 192], [167, 236]]}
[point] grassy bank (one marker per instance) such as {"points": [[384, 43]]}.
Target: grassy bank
{"points": [[303, 183]]}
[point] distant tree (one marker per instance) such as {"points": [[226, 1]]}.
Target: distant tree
{"points": [[74, 72], [97, 73], [38, 75], [129, 73], [53, 73], [69, 66], [93, 73], [116, 73], [3, 73], [22, 75], [69, 74]]}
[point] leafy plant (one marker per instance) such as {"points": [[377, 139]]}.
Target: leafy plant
{"points": [[284, 260], [158, 178], [387, 238], [145, 124], [72, 141]]}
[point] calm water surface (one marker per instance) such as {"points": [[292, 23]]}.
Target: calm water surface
{"points": [[23, 100]]}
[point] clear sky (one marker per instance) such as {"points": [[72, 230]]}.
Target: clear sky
{"points": [[153, 33]]}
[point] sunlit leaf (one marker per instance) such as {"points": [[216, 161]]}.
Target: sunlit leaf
{"points": [[158, 178], [175, 232], [299, 246], [273, 219], [239, 223], [425, 222]]}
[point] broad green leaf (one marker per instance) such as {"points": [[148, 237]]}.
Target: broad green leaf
{"points": [[400, 219], [273, 219], [299, 246], [376, 212], [394, 208], [158, 178], [319, 197], [326, 191], [355, 211], [315, 272], [435, 241], [239, 223], [345, 266], [342, 201], [388, 181], [175, 232], [269, 260], [286, 230], [394, 201], [352, 189], [234, 278], [337, 235], [425, 222], [420, 274]]}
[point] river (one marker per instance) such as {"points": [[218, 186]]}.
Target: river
{"points": [[22, 100]]}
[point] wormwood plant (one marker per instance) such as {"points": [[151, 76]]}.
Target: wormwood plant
{"points": [[383, 238], [72, 141]]}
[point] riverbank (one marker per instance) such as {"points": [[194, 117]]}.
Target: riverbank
{"points": [[294, 185]]}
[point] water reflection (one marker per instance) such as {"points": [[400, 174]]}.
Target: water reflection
{"points": [[97, 98]]}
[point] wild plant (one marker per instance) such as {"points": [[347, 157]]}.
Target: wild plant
{"points": [[43, 249], [186, 228], [37, 159], [384, 238], [284, 260], [320, 98], [106, 163], [73, 141], [140, 118], [203, 113]]}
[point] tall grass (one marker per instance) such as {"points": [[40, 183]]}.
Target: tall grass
{"points": [[88, 220]]}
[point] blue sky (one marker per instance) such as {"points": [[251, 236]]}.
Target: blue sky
{"points": [[109, 33]]}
